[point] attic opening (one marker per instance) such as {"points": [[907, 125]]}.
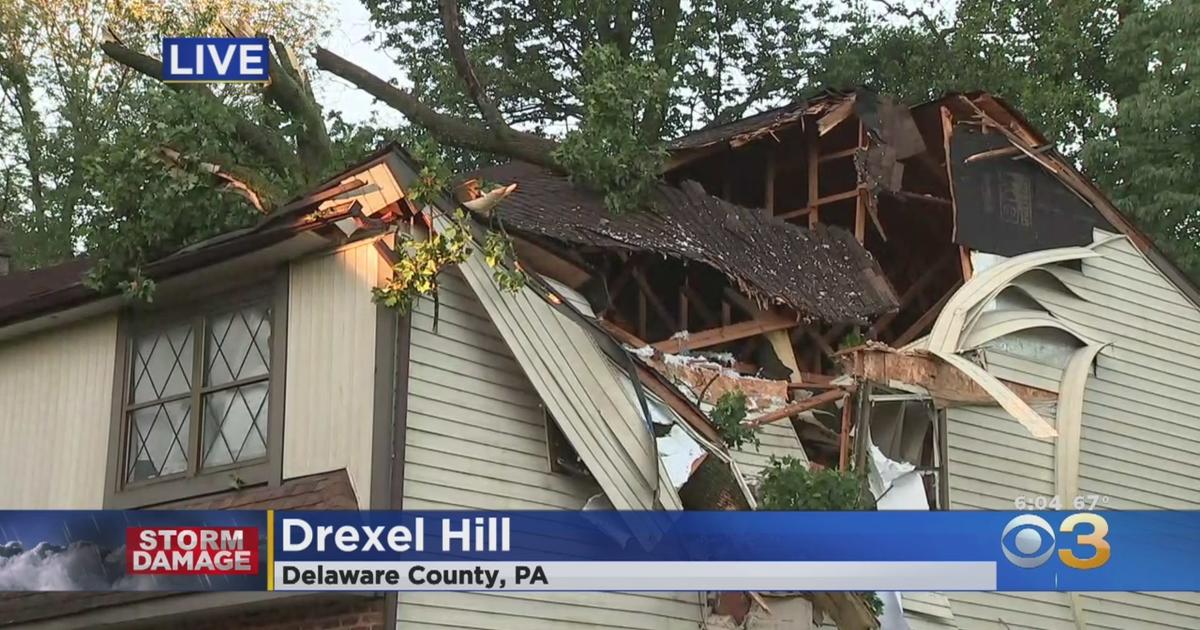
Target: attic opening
{"points": [[865, 164]]}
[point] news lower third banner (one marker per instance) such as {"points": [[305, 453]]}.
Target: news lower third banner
{"points": [[598, 551]]}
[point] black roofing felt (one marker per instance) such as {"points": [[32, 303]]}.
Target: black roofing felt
{"points": [[823, 274]]}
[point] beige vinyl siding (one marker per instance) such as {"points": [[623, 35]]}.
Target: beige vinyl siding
{"points": [[379, 189], [55, 411], [330, 366], [776, 439], [1139, 440], [1023, 371], [992, 461], [476, 439], [573, 377]]}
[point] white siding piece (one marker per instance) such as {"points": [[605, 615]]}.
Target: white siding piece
{"points": [[1069, 421], [1017, 369], [994, 324], [968, 301], [379, 190], [572, 377], [927, 611]]}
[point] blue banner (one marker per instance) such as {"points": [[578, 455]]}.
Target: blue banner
{"points": [[564, 550], [216, 59]]}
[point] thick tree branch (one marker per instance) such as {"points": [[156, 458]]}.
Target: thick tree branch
{"points": [[291, 93], [448, 129], [452, 30], [265, 144], [14, 77], [664, 29]]}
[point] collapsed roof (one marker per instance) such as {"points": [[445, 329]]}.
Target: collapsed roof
{"points": [[823, 274]]}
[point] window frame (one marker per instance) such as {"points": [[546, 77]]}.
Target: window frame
{"points": [[196, 481]]}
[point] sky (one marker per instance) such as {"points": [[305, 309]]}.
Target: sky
{"points": [[351, 25]]}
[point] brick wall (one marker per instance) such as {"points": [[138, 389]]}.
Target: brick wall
{"points": [[344, 613]]}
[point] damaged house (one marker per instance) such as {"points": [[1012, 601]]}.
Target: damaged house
{"points": [[930, 295], [263, 375]]}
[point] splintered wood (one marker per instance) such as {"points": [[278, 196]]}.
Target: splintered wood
{"points": [[711, 379], [947, 385]]}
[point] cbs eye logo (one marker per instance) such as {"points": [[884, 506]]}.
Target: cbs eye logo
{"points": [[1028, 541]]}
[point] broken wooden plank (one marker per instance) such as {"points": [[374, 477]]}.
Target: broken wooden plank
{"points": [[948, 385], [838, 155], [799, 407], [815, 203], [723, 334], [814, 183], [547, 263], [947, 132], [991, 153], [860, 216], [840, 114], [769, 193], [844, 437], [1025, 145], [918, 197], [860, 201]]}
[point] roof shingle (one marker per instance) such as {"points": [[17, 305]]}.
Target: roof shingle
{"points": [[823, 274]]}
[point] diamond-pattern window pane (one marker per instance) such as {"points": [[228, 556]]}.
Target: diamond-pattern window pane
{"points": [[238, 345], [158, 436], [162, 364], [235, 425]]}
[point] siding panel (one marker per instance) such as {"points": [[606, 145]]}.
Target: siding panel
{"points": [[55, 394], [778, 439], [1139, 440], [477, 440], [330, 371]]}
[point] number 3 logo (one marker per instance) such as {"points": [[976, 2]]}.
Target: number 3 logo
{"points": [[1093, 539]]}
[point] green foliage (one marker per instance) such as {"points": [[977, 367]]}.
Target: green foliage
{"points": [[728, 416], [433, 180], [1150, 157], [613, 80], [788, 484], [873, 602], [80, 134], [1050, 58], [853, 339], [608, 152], [499, 255], [416, 274], [145, 205], [721, 56]]}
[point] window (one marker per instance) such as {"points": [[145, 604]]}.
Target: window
{"points": [[198, 399]]}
